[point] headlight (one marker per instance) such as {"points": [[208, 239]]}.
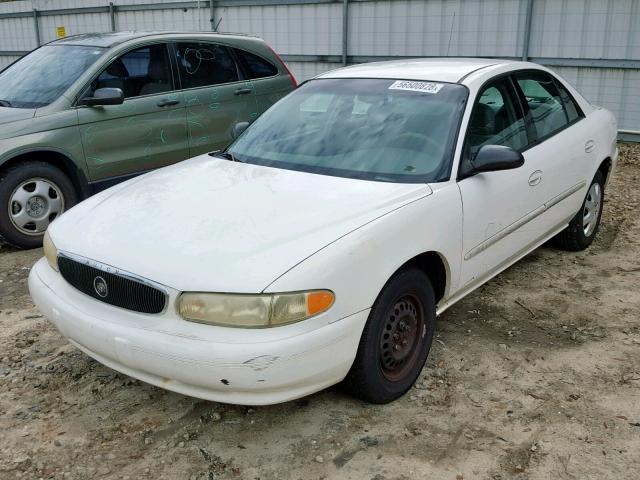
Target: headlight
{"points": [[253, 311], [50, 251]]}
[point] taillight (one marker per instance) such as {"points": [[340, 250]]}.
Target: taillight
{"points": [[293, 79]]}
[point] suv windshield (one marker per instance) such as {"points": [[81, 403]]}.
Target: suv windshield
{"points": [[384, 130], [40, 77]]}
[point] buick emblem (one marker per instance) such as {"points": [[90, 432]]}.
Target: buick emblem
{"points": [[100, 287]]}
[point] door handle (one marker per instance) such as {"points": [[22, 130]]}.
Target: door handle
{"points": [[168, 103], [243, 91], [535, 178], [589, 146]]}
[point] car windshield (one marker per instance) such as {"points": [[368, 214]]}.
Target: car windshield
{"points": [[40, 77], [383, 130]]}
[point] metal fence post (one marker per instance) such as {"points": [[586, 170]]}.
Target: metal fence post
{"points": [[212, 15], [36, 27], [345, 30], [112, 16], [527, 31]]}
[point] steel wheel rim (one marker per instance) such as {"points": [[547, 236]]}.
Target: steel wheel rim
{"points": [[591, 210], [34, 204], [401, 336]]}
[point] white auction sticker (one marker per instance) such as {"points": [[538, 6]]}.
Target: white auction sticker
{"points": [[425, 87]]}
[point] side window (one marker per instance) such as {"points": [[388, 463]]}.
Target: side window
{"points": [[496, 120], [545, 104], [255, 66], [143, 71], [570, 106], [204, 64]]}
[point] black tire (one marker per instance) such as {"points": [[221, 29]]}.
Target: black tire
{"points": [[374, 376], [574, 238], [12, 178]]}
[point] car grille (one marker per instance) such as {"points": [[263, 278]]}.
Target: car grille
{"points": [[112, 288]]}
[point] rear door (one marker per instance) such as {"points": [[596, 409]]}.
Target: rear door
{"points": [[148, 130], [562, 148], [269, 84], [215, 93]]}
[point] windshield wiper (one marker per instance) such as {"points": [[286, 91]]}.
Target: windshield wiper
{"points": [[226, 155], [5, 103]]}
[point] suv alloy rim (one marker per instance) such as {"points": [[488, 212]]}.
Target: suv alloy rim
{"points": [[34, 204]]}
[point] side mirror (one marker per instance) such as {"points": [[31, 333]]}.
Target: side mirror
{"points": [[104, 96], [238, 128], [491, 158]]}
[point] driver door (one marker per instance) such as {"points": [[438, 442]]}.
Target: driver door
{"points": [[148, 130], [500, 209]]}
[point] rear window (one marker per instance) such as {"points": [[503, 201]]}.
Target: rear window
{"points": [[255, 66]]}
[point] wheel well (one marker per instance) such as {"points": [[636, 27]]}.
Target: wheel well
{"points": [[605, 168], [434, 266], [58, 160]]}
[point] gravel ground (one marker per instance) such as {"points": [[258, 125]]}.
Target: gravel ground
{"points": [[536, 375]]}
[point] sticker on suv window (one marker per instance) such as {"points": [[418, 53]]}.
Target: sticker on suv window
{"points": [[424, 87]]}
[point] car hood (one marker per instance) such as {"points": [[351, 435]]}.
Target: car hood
{"points": [[8, 115], [209, 224]]}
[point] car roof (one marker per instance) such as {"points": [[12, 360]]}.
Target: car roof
{"points": [[444, 69], [111, 39]]}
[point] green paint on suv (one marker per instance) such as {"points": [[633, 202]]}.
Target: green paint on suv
{"points": [[83, 113]]}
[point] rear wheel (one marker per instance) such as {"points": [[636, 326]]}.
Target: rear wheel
{"points": [[584, 226], [32, 195], [396, 340]]}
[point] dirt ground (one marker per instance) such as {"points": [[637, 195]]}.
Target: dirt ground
{"points": [[534, 376]]}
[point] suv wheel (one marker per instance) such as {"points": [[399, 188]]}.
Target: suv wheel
{"points": [[32, 195]]}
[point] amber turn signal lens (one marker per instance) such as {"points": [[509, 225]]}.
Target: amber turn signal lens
{"points": [[318, 302]]}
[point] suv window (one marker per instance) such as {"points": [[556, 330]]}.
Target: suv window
{"points": [[143, 71], [496, 119], [255, 66], [203, 64], [546, 106]]}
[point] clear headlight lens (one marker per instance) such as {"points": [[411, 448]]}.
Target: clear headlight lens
{"points": [[50, 251], [253, 311]]}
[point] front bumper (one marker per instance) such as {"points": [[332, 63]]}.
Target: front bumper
{"points": [[257, 367]]}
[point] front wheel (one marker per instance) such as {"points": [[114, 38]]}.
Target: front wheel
{"points": [[582, 229], [32, 195], [396, 340]]}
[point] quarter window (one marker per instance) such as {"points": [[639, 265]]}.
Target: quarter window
{"points": [[143, 71], [544, 101], [496, 120], [572, 109], [204, 64], [255, 66]]}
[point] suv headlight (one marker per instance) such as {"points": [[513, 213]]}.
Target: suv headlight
{"points": [[253, 311], [50, 251]]}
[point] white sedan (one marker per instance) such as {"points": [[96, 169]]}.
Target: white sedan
{"points": [[321, 245]]}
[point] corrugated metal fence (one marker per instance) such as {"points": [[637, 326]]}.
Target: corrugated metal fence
{"points": [[595, 44]]}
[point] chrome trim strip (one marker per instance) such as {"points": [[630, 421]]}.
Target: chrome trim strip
{"points": [[121, 273], [522, 221]]}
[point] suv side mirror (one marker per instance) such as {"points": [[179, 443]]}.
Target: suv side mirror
{"points": [[238, 128], [491, 158], [104, 96]]}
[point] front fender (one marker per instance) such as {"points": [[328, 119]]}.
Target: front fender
{"points": [[357, 266]]}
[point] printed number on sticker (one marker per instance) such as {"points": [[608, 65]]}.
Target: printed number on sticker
{"points": [[425, 87]]}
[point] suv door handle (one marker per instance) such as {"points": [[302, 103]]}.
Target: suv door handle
{"points": [[243, 91], [168, 103]]}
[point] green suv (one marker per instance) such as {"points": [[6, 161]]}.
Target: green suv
{"points": [[83, 113]]}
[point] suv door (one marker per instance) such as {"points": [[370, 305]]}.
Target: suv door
{"points": [[148, 130], [561, 149], [215, 94], [499, 208]]}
